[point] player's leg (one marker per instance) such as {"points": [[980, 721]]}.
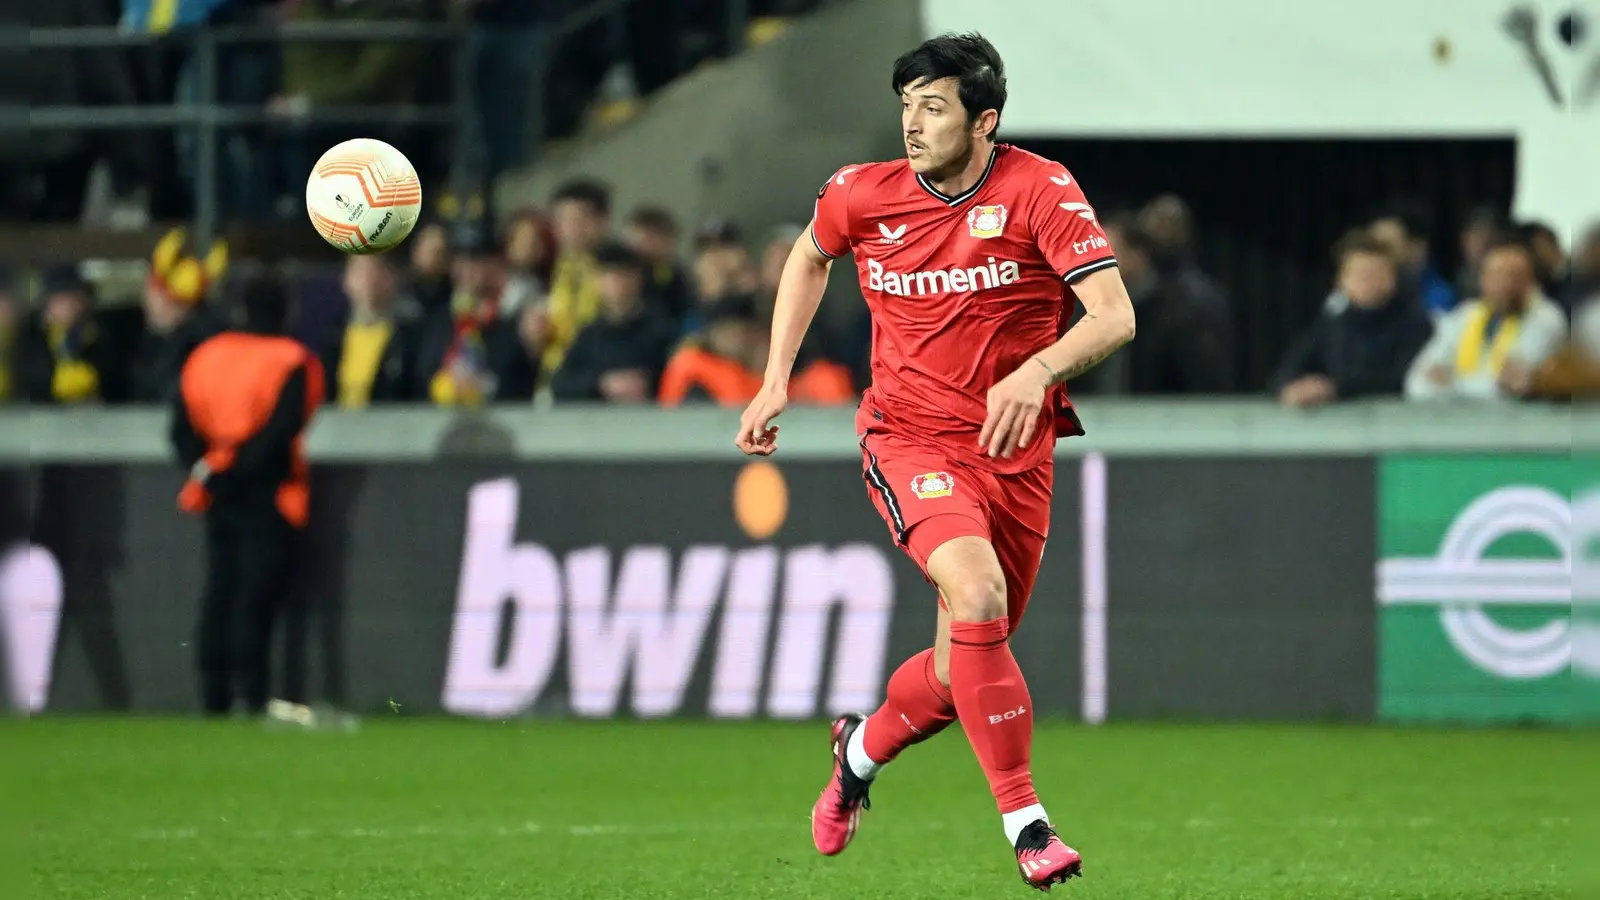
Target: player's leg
{"points": [[214, 630], [993, 703], [917, 705]]}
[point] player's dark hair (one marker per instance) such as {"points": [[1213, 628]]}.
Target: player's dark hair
{"points": [[1360, 242], [970, 59], [593, 194]]}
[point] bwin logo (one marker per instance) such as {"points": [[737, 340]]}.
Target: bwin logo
{"points": [[1007, 716], [891, 235]]}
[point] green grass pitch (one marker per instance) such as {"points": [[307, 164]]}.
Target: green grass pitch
{"points": [[418, 809]]}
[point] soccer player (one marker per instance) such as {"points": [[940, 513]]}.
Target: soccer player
{"points": [[970, 255]]}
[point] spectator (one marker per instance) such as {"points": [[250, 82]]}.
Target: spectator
{"points": [[1575, 371], [723, 272], [724, 363], [822, 374], [66, 359], [1490, 348], [173, 319], [1404, 229], [506, 46], [471, 354], [374, 358], [619, 356], [1481, 228], [1169, 224], [431, 261], [652, 232], [1364, 349], [582, 214], [530, 255], [10, 328], [1550, 259], [774, 256], [59, 161], [1182, 346], [1584, 283], [356, 73]]}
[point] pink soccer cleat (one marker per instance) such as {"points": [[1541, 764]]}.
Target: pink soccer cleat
{"points": [[1043, 859], [838, 810]]}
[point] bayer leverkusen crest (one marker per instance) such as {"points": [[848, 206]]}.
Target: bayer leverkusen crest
{"points": [[986, 221], [933, 484]]}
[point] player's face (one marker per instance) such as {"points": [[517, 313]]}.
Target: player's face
{"points": [[939, 139]]}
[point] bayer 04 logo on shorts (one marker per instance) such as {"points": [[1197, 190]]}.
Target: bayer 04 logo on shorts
{"points": [[1475, 588]]}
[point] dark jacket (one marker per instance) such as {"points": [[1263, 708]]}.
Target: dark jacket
{"points": [[505, 356], [396, 379], [604, 346], [156, 360], [94, 344], [1182, 346], [1365, 352]]}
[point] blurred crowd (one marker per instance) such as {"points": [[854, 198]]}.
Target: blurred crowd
{"points": [[1520, 320], [568, 304], [517, 75], [580, 302]]}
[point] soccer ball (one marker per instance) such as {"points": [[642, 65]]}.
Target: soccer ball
{"points": [[363, 196]]}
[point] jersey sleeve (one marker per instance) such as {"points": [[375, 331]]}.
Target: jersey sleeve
{"points": [[830, 222], [1067, 229]]}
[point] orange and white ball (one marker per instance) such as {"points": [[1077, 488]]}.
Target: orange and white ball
{"points": [[363, 196]]}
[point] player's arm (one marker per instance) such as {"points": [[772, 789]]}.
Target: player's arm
{"points": [[1106, 325], [800, 289], [1068, 234]]}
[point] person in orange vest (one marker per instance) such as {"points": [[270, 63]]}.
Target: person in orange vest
{"points": [[246, 397]]}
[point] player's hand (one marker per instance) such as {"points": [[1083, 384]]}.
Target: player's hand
{"points": [[1014, 406], [757, 435]]}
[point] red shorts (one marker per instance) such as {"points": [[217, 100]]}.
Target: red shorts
{"points": [[927, 497]]}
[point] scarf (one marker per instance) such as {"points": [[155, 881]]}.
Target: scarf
{"points": [[1497, 333], [74, 379], [466, 347], [574, 302]]}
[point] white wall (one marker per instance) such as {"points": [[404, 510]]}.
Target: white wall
{"points": [[1299, 67]]}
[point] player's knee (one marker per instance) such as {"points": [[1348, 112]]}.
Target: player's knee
{"points": [[977, 597]]}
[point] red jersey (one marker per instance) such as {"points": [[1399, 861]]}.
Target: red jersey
{"points": [[962, 289]]}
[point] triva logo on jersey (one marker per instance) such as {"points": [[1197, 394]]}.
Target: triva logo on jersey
{"points": [[942, 281]]}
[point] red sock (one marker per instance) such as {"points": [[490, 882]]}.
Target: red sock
{"points": [[995, 709], [915, 707]]}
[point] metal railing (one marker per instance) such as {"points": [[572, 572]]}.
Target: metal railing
{"points": [[210, 118]]}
